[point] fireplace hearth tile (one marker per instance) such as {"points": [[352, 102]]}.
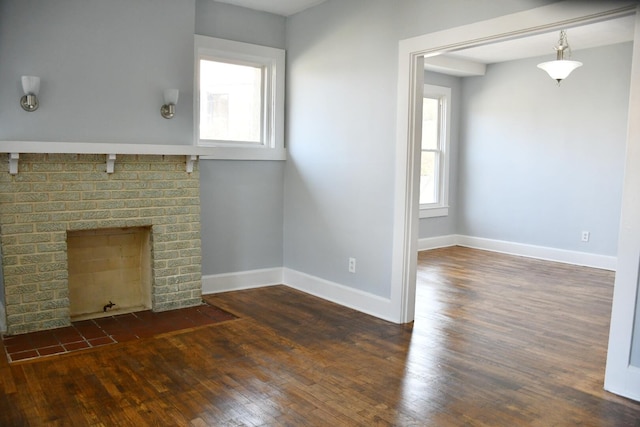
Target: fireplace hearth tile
{"points": [[18, 346], [46, 351], [106, 322], [122, 336], [76, 345], [68, 335], [96, 342], [90, 330], [109, 330], [41, 340], [24, 355]]}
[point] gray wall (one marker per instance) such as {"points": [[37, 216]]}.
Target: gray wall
{"points": [[447, 225], [242, 201], [341, 103], [540, 163], [103, 67], [239, 24], [339, 175]]}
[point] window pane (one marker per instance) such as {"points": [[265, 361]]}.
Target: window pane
{"points": [[230, 101], [430, 122], [428, 174]]}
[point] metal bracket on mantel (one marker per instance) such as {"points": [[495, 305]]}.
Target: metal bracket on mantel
{"points": [[111, 161], [191, 159], [13, 163]]}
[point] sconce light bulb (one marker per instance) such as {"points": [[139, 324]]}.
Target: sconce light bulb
{"points": [[168, 110], [31, 85], [171, 96]]}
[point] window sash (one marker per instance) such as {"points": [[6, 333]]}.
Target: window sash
{"points": [[436, 191], [263, 130], [439, 206], [437, 172], [272, 63]]}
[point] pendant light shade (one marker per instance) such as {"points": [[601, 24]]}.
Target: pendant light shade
{"points": [[560, 68]]}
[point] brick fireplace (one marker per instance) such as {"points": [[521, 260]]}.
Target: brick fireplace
{"points": [[53, 194]]}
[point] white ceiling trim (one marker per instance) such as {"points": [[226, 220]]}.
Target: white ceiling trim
{"points": [[278, 7], [603, 33], [454, 66]]}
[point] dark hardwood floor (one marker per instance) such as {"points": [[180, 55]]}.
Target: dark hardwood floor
{"points": [[497, 341]]}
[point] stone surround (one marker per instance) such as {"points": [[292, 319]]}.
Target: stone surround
{"points": [[54, 193]]}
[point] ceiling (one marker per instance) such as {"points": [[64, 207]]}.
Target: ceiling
{"points": [[582, 37], [279, 7], [473, 61]]}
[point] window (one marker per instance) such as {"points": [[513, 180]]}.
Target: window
{"points": [[434, 163], [239, 100]]}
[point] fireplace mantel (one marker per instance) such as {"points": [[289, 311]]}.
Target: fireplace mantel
{"points": [[111, 150], [61, 190]]}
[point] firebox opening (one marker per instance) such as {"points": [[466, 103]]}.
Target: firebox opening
{"points": [[109, 271]]}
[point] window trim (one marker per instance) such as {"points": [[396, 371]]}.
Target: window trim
{"points": [[441, 208], [272, 132]]}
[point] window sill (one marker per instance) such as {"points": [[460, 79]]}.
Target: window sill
{"points": [[434, 212], [239, 153]]}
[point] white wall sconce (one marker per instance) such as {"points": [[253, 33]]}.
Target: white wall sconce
{"points": [[560, 68], [31, 87], [168, 110]]}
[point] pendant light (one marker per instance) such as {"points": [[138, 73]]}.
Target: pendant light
{"points": [[560, 68]]}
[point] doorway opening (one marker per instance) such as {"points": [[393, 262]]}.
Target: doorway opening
{"points": [[406, 221]]}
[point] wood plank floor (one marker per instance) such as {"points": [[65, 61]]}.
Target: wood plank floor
{"points": [[497, 341]]}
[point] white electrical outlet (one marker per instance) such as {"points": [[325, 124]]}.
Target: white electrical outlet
{"points": [[352, 265], [585, 236]]}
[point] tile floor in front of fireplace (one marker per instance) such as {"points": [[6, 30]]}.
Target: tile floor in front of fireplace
{"points": [[109, 330]]}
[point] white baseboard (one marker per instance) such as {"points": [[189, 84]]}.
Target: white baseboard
{"points": [[216, 283], [375, 305], [353, 298], [585, 259], [349, 297], [436, 242], [3, 319], [624, 383]]}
